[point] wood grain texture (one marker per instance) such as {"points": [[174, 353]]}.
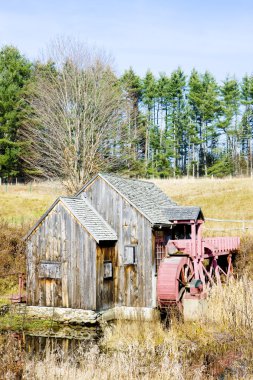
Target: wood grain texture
{"points": [[61, 238], [132, 283]]}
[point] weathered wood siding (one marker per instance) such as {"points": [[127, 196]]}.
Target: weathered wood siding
{"points": [[133, 284], [61, 239], [105, 286]]}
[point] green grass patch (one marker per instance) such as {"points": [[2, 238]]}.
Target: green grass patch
{"points": [[17, 322]]}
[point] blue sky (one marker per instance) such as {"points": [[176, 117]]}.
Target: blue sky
{"points": [[146, 34]]}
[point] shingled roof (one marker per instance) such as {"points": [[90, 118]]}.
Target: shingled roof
{"points": [[86, 215], [143, 195], [183, 213], [90, 219], [150, 200]]}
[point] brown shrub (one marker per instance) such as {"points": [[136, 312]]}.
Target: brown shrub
{"points": [[244, 258], [12, 357], [12, 254]]}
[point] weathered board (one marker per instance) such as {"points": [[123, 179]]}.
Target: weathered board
{"points": [[133, 282], [60, 239]]}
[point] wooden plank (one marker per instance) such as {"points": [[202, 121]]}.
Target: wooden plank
{"points": [[64, 253], [81, 266], [78, 234], [99, 281]]}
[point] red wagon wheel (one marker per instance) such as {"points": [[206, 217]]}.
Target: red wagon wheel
{"points": [[174, 276]]}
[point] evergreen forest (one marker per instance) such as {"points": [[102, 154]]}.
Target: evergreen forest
{"points": [[169, 125]]}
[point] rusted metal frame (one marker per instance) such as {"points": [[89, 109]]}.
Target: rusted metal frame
{"points": [[196, 254], [207, 255], [216, 270], [222, 270], [208, 275], [193, 238], [230, 265]]}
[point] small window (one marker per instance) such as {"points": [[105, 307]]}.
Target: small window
{"points": [[130, 255], [107, 269]]}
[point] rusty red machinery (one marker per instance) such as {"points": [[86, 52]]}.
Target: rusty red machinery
{"points": [[191, 266]]}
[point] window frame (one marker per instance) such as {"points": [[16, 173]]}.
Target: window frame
{"points": [[134, 254], [110, 275]]}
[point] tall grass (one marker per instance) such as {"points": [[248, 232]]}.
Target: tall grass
{"points": [[232, 306], [217, 346], [135, 350]]}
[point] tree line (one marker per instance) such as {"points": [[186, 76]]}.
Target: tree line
{"points": [[70, 115]]}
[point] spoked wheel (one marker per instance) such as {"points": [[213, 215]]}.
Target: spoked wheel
{"points": [[174, 276], [185, 276]]}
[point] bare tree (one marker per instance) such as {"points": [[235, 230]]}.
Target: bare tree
{"points": [[76, 108]]}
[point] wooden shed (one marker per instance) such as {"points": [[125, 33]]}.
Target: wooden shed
{"points": [[102, 247]]}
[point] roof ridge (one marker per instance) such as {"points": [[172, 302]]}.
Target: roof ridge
{"points": [[127, 178], [181, 206], [68, 196]]}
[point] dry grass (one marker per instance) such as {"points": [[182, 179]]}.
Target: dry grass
{"points": [[229, 198], [218, 346], [24, 204], [12, 258], [232, 306], [137, 350], [12, 358]]}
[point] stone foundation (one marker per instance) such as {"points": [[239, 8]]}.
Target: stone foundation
{"points": [[193, 309], [130, 313], [88, 317], [63, 315]]}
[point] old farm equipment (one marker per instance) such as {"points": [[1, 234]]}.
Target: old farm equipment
{"points": [[191, 265]]}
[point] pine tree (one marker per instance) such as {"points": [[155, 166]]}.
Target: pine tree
{"points": [[247, 121], [229, 122], [177, 118], [149, 96], [204, 106], [135, 144], [15, 74]]}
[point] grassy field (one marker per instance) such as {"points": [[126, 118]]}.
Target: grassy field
{"points": [[219, 198], [24, 204]]}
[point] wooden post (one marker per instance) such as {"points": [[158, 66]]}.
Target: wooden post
{"points": [[193, 236], [199, 239]]}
